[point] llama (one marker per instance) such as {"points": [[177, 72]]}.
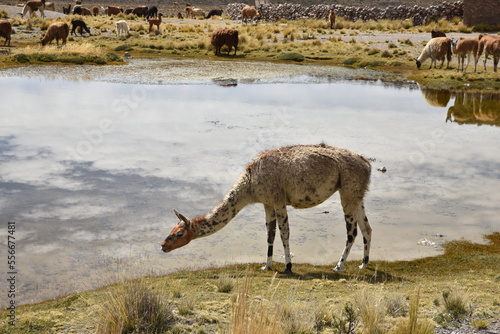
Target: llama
{"points": [[302, 176], [32, 6], [122, 28], [437, 33], [464, 48], [249, 13], [224, 36], [155, 22], [486, 44], [6, 31], [437, 48], [57, 31], [331, 18]]}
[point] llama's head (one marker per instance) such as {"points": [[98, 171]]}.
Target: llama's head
{"points": [[180, 235], [454, 45]]}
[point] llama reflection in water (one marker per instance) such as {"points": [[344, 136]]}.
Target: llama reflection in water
{"points": [[475, 108], [469, 107]]}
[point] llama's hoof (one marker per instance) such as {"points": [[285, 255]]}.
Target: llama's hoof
{"points": [[337, 269], [363, 266], [286, 272], [266, 268]]}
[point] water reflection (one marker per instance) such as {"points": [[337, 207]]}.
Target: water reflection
{"points": [[436, 97], [94, 179], [481, 108], [469, 107]]}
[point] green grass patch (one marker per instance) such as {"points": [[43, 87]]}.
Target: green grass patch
{"points": [[291, 56], [388, 297]]}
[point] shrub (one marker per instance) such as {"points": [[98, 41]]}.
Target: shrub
{"points": [[414, 325], [386, 54], [370, 306], [479, 323], [225, 284], [347, 322], [456, 304], [111, 56], [396, 305], [351, 61], [456, 308], [186, 306], [21, 58], [291, 56], [123, 48], [134, 307], [248, 318]]}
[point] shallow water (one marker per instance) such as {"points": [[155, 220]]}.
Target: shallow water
{"points": [[91, 166]]}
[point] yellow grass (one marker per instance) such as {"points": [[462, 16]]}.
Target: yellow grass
{"points": [[84, 48]]}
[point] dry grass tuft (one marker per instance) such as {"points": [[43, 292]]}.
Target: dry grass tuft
{"points": [[87, 49], [252, 318], [371, 311], [134, 307], [225, 283], [414, 325]]}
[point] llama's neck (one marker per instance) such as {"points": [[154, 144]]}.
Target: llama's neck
{"points": [[237, 198], [423, 57]]}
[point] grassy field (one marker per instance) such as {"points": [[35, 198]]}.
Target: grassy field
{"points": [[450, 290], [390, 46]]}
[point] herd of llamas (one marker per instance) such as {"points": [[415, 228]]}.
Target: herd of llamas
{"points": [[438, 48]]}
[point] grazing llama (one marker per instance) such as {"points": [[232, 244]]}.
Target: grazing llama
{"points": [[302, 176]]}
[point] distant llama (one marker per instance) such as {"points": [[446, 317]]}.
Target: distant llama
{"points": [[302, 176], [32, 6]]}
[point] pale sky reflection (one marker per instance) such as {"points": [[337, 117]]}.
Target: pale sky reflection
{"points": [[92, 169]]}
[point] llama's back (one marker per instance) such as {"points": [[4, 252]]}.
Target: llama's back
{"points": [[306, 175]]}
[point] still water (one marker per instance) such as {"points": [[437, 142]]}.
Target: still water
{"points": [[91, 169]]}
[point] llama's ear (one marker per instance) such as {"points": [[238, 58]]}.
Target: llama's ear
{"points": [[182, 217]]}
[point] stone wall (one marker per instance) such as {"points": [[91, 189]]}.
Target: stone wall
{"points": [[481, 12], [420, 15]]}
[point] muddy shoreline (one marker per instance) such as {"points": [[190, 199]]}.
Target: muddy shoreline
{"points": [[199, 71]]}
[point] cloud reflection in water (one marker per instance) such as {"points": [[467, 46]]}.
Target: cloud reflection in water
{"points": [[91, 170]]}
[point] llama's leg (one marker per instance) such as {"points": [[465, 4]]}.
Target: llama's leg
{"points": [[352, 231], [271, 233], [354, 214], [468, 60], [282, 219], [366, 231]]}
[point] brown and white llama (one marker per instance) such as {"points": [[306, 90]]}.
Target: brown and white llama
{"points": [[32, 6], [302, 176]]}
